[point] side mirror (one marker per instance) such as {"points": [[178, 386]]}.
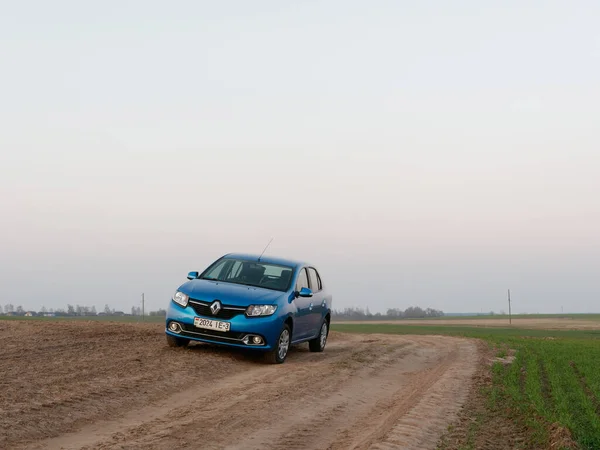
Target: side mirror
{"points": [[192, 275], [305, 292]]}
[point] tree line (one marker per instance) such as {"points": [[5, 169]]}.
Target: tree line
{"points": [[412, 312], [75, 311]]}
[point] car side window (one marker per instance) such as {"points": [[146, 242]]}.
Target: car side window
{"points": [[315, 280], [302, 280]]}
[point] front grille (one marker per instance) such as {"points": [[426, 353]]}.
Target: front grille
{"points": [[222, 336], [203, 309]]}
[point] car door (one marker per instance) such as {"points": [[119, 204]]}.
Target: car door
{"points": [[302, 325], [316, 305]]}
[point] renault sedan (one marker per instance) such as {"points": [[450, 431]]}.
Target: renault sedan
{"points": [[255, 302]]}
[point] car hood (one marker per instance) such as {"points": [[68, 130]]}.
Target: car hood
{"points": [[229, 293]]}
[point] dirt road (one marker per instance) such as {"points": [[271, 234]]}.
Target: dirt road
{"points": [[97, 385]]}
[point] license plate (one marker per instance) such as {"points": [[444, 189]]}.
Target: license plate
{"points": [[211, 324]]}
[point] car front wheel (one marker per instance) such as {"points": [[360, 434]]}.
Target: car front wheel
{"points": [[177, 341], [318, 343], [279, 353]]}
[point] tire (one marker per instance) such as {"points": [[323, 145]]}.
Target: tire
{"points": [[318, 343], [282, 348], [177, 341]]}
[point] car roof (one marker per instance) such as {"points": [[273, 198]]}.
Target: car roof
{"points": [[267, 259]]}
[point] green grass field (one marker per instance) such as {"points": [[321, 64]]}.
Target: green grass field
{"points": [[555, 378], [581, 316], [523, 316]]}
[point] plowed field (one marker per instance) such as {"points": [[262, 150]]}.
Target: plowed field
{"points": [[101, 385]]}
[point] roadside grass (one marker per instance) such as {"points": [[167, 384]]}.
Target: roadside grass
{"points": [[579, 316], [552, 387], [494, 335], [574, 316]]}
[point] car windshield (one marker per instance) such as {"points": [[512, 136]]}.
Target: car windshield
{"points": [[250, 273]]}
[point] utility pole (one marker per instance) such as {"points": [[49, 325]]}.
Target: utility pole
{"points": [[509, 312], [142, 306]]}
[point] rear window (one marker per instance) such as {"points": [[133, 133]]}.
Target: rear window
{"points": [[315, 280], [302, 280]]}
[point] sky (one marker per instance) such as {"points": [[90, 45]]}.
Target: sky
{"points": [[418, 153]]}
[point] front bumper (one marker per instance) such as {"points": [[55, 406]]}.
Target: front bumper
{"points": [[240, 334]]}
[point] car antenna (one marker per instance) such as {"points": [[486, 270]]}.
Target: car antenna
{"points": [[263, 252]]}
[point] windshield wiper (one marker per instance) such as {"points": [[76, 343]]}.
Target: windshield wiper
{"points": [[241, 283]]}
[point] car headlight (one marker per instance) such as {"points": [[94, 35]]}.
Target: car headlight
{"points": [[260, 310], [181, 299]]}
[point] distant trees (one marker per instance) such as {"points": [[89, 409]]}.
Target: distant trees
{"points": [[85, 310], [71, 311], [350, 313], [11, 310], [412, 312], [430, 312]]}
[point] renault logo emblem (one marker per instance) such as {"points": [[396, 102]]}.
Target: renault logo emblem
{"points": [[215, 307]]}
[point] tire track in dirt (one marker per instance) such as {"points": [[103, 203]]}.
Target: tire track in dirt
{"points": [[364, 391], [224, 403], [415, 422], [320, 416]]}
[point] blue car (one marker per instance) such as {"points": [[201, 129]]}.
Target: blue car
{"points": [[253, 302]]}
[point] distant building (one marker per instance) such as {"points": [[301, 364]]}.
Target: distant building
{"points": [[29, 314]]}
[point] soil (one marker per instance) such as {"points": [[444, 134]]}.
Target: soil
{"points": [[478, 426], [100, 385]]}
